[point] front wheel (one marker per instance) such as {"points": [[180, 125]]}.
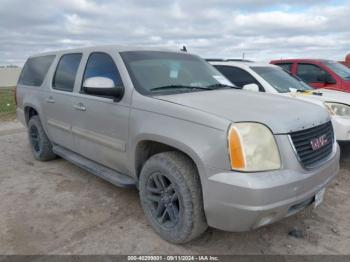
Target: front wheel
{"points": [[171, 197]]}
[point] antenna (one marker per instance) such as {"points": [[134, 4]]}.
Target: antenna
{"points": [[183, 49]]}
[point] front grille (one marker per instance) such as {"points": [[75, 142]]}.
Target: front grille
{"points": [[308, 156]]}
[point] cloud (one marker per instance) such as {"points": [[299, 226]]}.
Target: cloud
{"points": [[263, 30]]}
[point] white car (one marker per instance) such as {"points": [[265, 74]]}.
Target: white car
{"points": [[269, 78]]}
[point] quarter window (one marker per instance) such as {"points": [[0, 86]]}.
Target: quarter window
{"points": [[102, 65], [35, 70], [311, 73], [66, 71]]}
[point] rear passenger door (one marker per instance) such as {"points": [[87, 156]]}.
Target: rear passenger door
{"points": [[100, 126], [58, 102]]}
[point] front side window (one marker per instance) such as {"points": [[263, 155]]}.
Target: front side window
{"points": [[66, 71], [35, 70], [311, 73], [280, 80], [340, 69], [102, 65], [238, 76], [285, 66], [156, 71]]}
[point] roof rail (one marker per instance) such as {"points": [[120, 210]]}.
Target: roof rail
{"points": [[213, 59], [227, 60]]}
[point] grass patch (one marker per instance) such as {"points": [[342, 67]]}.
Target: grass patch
{"points": [[7, 104]]}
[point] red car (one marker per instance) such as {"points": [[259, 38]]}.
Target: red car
{"points": [[319, 73]]}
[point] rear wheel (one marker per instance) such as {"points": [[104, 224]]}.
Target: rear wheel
{"points": [[171, 196], [40, 143]]}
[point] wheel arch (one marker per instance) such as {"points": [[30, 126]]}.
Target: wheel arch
{"points": [[29, 111], [149, 145]]}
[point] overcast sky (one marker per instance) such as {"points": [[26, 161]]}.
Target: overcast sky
{"points": [[263, 30]]}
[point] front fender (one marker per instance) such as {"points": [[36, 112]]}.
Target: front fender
{"points": [[206, 146]]}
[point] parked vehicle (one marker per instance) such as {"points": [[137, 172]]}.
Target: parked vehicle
{"points": [[169, 124], [318, 73], [273, 79]]}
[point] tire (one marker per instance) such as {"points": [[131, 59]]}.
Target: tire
{"points": [[39, 142], [169, 183]]}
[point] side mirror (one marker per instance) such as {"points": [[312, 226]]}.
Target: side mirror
{"points": [[251, 87], [103, 86]]}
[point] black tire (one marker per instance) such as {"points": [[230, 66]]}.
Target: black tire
{"points": [[39, 142], [170, 182]]}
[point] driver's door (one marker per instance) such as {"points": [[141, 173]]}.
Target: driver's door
{"points": [[100, 126]]}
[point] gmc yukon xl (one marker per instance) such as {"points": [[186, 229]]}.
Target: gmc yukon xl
{"points": [[169, 124]]}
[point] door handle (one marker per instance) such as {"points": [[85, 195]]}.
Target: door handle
{"points": [[50, 100], [80, 106]]}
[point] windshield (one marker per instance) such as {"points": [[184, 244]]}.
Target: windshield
{"points": [[282, 81], [339, 69], [155, 71]]}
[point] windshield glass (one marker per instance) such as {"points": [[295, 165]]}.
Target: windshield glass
{"points": [[282, 81], [339, 69], [155, 71]]}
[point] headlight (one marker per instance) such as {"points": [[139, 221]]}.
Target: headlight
{"points": [[338, 109], [252, 147]]}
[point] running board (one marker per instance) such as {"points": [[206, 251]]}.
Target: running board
{"points": [[96, 169]]}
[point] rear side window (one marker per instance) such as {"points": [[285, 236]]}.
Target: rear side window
{"points": [[35, 70], [238, 76], [102, 65], [285, 66], [66, 71]]}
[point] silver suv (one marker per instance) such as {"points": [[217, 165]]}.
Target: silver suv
{"points": [[170, 124]]}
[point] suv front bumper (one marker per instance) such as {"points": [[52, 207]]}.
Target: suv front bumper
{"points": [[236, 201]]}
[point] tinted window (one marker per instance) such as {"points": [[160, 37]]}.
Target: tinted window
{"points": [[339, 69], [280, 80], [35, 70], [311, 73], [237, 76], [154, 71], [102, 65], [66, 71], [285, 66]]}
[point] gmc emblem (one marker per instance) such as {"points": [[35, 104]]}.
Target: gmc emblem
{"points": [[319, 142]]}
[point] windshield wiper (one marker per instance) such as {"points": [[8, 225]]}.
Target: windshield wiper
{"points": [[218, 86], [313, 92], [179, 87]]}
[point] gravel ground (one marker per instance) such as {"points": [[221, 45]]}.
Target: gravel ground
{"points": [[57, 208]]}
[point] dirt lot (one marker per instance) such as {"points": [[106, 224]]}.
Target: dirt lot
{"points": [[57, 208], [7, 104]]}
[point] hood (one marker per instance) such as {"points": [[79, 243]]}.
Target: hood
{"points": [[281, 114], [327, 95]]}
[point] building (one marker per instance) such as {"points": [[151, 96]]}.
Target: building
{"points": [[9, 75]]}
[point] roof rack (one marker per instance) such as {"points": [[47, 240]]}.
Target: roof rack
{"points": [[227, 60]]}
